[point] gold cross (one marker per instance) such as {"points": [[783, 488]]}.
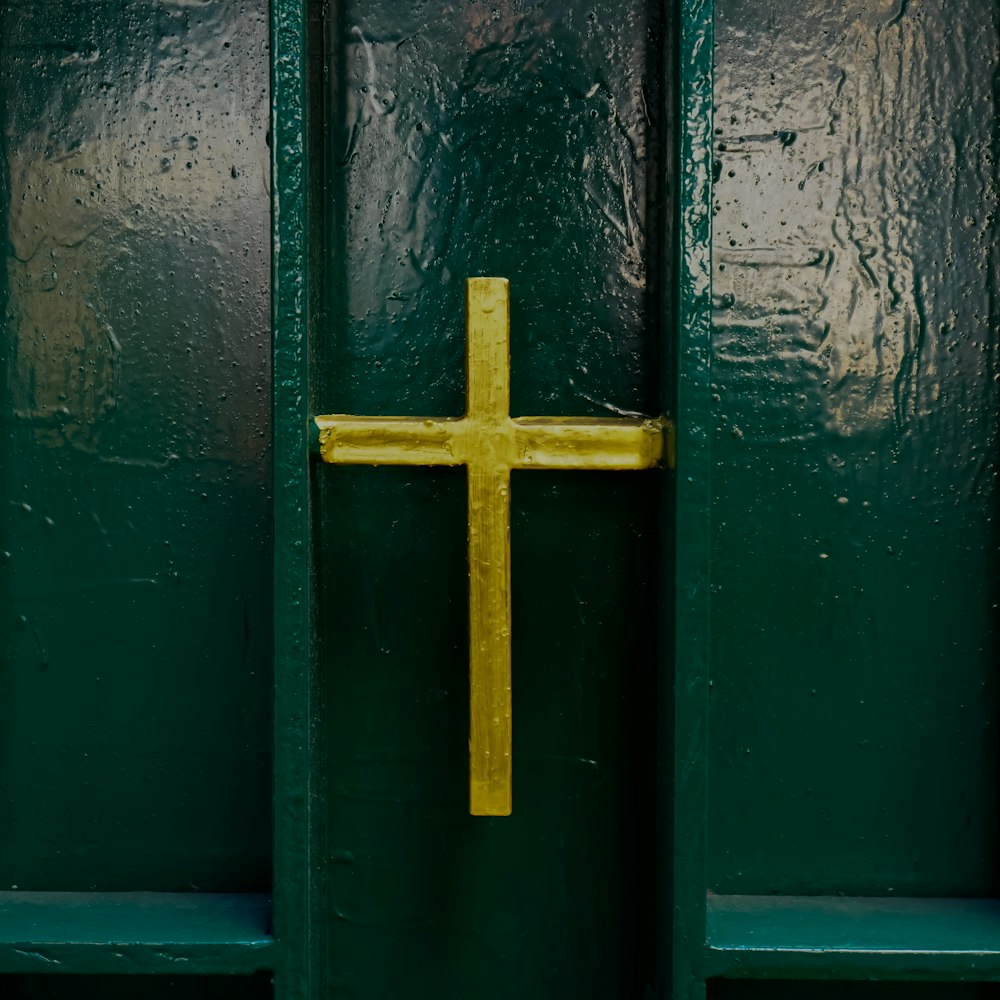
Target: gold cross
{"points": [[490, 443]]}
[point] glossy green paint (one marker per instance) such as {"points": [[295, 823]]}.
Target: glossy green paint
{"points": [[848, 747], [135, 537], [135, 932], [851, 937], [856, 381], [519, 140], [134, 448], [835, 724]]}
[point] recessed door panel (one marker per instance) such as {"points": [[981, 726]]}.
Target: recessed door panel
{"points": [[134, 447], [855, 362], [522, 141]]}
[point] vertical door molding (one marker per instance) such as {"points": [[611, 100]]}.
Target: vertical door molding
{"points": [[694, 67], [296, 973]]}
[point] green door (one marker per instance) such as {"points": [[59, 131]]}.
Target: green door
{"points": [[754, 699]]}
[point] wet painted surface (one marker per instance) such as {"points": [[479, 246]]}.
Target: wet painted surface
{"points": [[134, 489], [685, 606], [515, 140], [855, 371], [853, 937], [490, 444]]}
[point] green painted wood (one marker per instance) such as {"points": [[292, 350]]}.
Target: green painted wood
{"points": [[134, 932], [135, 632], [844, 937], [297, 772], [522, 141], [856, 373], [849, 745]]}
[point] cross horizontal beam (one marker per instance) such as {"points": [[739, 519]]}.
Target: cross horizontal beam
{"points": [[514, 443]]}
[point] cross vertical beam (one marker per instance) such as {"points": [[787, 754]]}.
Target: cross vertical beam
{"points": [[489, 643], [487, 303], [487, 350]]}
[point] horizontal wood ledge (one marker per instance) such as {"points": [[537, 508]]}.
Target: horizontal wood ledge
{"points": [[853, 937], [135, 932]]}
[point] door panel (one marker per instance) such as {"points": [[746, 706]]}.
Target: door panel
{"points": [[520, 140], [855, 499], [836, 679], [134, 448]]}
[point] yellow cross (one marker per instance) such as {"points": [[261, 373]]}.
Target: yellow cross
{"points": [[490, 443]]}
